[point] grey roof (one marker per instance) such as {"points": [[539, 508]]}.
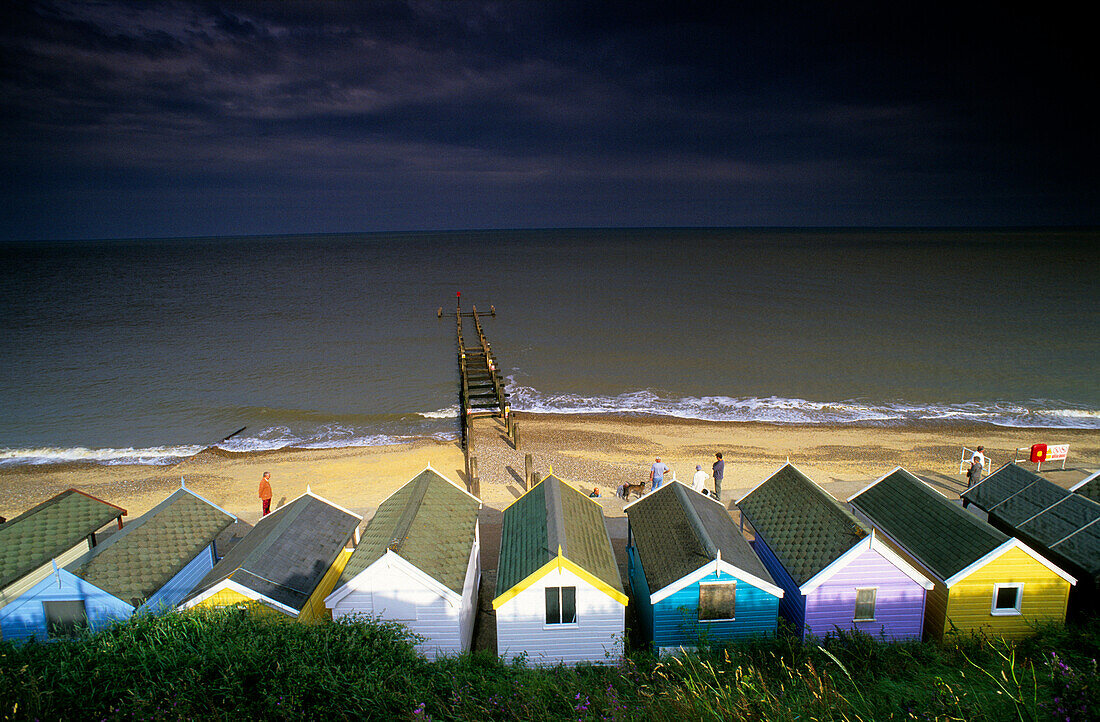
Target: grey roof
{"points": [[49, 529], [429, 522], [133, 564], [1042, 512], [550, 515], [676, 531], [1090, 489], [1069, 477], [287, 553], [940, 534], [801, 523]]}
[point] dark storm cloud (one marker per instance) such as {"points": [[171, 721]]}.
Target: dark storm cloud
{"points": [[127, 118]]}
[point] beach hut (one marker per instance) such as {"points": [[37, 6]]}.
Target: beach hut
{"points": [[837, 574], [559, 594], [149, 565], [59, 530], [985, 581], [693, 574], [1061, 525], [287, 564], [418, 563]]}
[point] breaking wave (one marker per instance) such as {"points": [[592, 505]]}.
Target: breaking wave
{"points": [[156, 456], [269, 439], [778, 410]]}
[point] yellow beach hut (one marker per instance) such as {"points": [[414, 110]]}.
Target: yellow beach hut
{"points": [[287, 564], [984, 580]]}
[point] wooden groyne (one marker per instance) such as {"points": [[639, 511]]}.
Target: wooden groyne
{"points": [[481, 391]]}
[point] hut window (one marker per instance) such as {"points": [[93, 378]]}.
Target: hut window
{"points": [[1007, 598], [561, 605], [865, 605], [717, 600], [64, 618]]}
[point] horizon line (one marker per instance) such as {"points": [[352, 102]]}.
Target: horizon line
{"points": [[531, 229]]}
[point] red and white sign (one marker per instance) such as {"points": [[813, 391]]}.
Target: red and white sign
{"points": [[1047, 452], [1057, 452]]}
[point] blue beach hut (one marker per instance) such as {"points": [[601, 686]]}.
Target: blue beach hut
{"points": [[693, 574], [59, 530], [149, 565]]}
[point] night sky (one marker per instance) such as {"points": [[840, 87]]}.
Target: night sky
{"points": [[169, 119]]}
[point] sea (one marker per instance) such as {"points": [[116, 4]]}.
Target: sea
{"points": [[149, 350]]}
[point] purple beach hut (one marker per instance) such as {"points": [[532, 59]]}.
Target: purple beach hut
{"points": [[835, 572]]}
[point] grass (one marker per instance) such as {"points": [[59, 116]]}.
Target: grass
{"points": [[229, 664]]}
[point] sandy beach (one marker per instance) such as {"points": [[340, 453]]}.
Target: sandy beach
{"points": [[588, 451]]}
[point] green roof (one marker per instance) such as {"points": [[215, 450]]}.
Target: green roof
{"points": [[940, 534], [429, 522], [676, 531], [48, 530], [135, 563], [552, 515], [286, 554], [801, 523]]}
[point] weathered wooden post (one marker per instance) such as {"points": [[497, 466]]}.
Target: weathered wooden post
{"points": [[470, 451], [515, 436], [508, 424], [475, 481], [528, 471]]}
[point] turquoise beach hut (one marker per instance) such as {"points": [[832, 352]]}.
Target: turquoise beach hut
{"points": [[149, 565], [693, 574]]}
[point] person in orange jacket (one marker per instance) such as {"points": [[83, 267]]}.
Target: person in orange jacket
{"points": [[265, 492]]}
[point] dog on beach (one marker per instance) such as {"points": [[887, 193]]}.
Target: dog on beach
{"points": [[625, 489]]}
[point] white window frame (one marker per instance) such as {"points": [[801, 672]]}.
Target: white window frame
{"points": [[874, 605], [576, 611], [1014, 611], [726, 583]]}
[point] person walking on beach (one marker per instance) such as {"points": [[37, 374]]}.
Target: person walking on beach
{"points": [[657, 474], [699, 481], [265, 492], [974, 473], [719, 470], [979, 456]]}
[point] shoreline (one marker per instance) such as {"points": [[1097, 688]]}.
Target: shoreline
{"points": [[638, 418], [601, 450]]}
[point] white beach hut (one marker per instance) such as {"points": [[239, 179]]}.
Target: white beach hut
{"points": [[418, 563], [559, 597]]}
